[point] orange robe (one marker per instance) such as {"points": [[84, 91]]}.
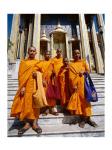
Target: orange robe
{"points": [[57, 64], [64, 85], [78, 103], [22, 107], [47, 68]]}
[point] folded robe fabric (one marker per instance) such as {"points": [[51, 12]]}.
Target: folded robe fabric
{"points": [[39, 98]]}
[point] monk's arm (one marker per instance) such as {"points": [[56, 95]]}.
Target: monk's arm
{"points": [[73, 80], [20, 72], [21, 66]]}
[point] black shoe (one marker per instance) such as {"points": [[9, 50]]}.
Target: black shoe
{"points": [[92, 123], [22, 131], [38, 130], [82, 124]]}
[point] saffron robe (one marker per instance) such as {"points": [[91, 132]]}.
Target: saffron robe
{"points": [[22, 107], [47, 68], [64, 85], [57, 64], [78, 103]]}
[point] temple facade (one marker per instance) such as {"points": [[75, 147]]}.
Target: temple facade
{"points": [[65, 31]]}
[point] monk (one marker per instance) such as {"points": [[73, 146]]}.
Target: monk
{"points": [[47, 68], [57, 64], [22, 107], [78, 105], [63, 82]]}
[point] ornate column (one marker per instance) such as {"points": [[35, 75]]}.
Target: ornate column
{"points": [[97, 52], [52, 47], [78, 35], [14, 38], [101, 33], [48, 45], [22, 43], [30, 34], [67, 50], [36, 33], [84, 38], [70, 50], [101, 23]]}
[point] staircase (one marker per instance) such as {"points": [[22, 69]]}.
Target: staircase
{"points": [[57, 126]]}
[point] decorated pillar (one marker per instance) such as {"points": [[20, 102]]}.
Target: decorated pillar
{"points": [[84, 38], [30, 34], [22, 43], [102, 34], [12, 52], [36, 33], [67, 49], [52, 47], [97, 52]]}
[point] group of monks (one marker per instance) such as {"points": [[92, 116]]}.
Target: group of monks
{"points": [[62, 82]]}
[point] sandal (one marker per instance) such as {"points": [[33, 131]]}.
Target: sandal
{"points": [[92, 123], [55, 113], [38, 130], [82, 124], [22, 131]]}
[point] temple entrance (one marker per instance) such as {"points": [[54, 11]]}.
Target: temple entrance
{"points": [[75, 45], [43, 48], [59, 42], [44, 45]]}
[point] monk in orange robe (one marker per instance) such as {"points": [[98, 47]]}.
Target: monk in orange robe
{"points": [[57, 64], [22, 106], [64, 84], [47, 68], [78, 105]]}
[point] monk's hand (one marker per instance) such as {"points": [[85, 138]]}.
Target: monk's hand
{"points": [[75, 88], [22, 92], [44, 83], [81, 73], [34, 74]]}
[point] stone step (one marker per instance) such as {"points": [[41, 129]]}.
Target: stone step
{"points": [[93, 79], [53, 125], [99, 92], [65, 129], [13, 91], [16, 84], [100, 102], [15, 88], [96, 109], [92, 75], [11, 97]]}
